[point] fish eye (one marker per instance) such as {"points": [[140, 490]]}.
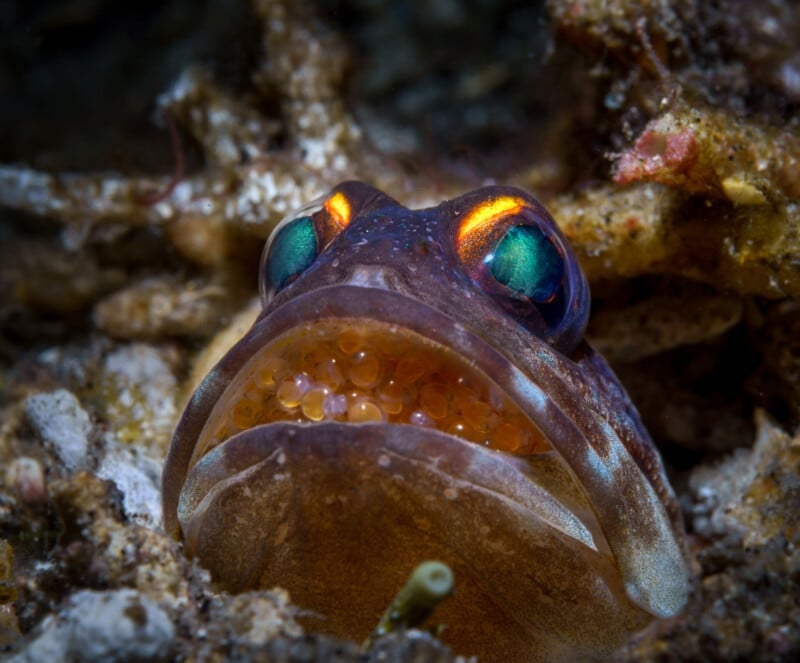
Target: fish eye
{"points": [[512, 249], [297, 241], [290, 252], [527, 262]]}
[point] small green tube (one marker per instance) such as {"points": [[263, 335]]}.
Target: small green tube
{"points": [[429, 584]]}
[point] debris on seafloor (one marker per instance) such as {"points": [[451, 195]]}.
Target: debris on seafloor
{"points": [[651, 229], [161, 307], [115, 626], [753, 494], [9, 627], [244, 186], [137, 384], [700, 188], [63, 424], [699, 150]]}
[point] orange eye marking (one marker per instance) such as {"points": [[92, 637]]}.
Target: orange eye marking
{"points": [[339, 208], [486, 213]]}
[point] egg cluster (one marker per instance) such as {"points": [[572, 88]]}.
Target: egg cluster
{"points": [[351, 371]]}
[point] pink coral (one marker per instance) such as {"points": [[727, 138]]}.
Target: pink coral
{"points": [[658, 156]]}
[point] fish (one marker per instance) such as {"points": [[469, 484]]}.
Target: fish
{"points": [[418, 386]]}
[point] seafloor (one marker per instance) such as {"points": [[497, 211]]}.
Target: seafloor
{"points": [[149, 147]]}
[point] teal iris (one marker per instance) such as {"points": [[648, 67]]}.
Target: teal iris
{"points": [[293, 250], [527, 261]]}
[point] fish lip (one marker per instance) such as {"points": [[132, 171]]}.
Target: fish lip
{"points": [[493, 472]]}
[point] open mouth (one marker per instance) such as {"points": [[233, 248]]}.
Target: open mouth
{"points": [[382, 421], [355, 371], [356, 423]]}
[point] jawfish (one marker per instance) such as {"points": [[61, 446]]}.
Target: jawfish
{"points": [[417, 387]]}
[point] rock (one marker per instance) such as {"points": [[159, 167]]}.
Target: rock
{"points": [[715, 489], [162, 306], [61, 422], [752, 493], [103, 627], [137, 478], [139, 389], [26, 476], [256, 618]]}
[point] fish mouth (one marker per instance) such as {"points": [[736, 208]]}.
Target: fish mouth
{"points": [[351, 370], [346, 357], [565, 477]]}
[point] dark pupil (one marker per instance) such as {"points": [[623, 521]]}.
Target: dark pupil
{"points": [[293, 249], [527, 262]]}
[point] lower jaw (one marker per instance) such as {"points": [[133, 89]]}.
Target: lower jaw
{"points": [[337, 513]]}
